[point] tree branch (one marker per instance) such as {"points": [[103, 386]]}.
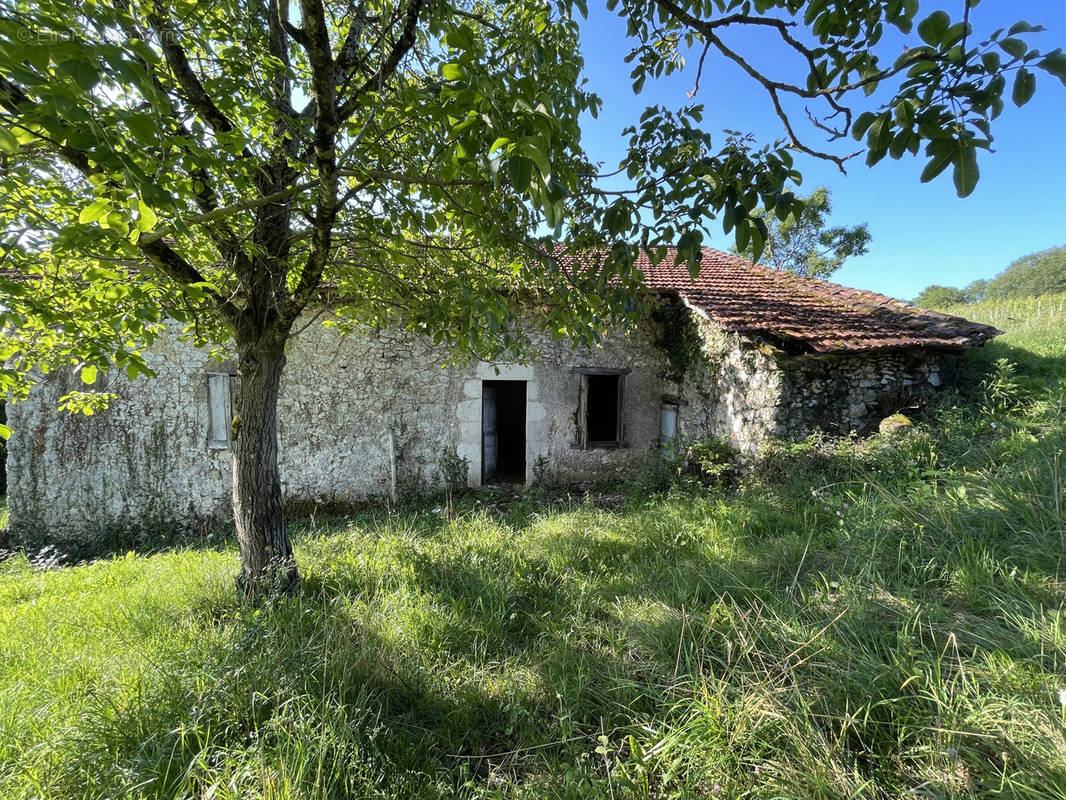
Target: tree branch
{"points": [[401, 47], [323, 82], [831, 94], [195, 93]]}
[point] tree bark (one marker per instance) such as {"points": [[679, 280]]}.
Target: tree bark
{"points": [[268, 566]]}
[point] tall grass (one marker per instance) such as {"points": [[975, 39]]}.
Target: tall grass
{"points": [[1034, 321], [874, 619]]}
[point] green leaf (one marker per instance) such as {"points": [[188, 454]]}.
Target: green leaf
{"points": [[519, 173], [1024, 87], [147, 217], [933, 28], [5, 432], [539, 158], [862, 124], [85, 73], [93, 211], [453, 72], [499, 144], [1055, 64], [8, 143], [1014, 47], [940, 151], [1024, 27], [461, 37], [88, 374], [116, 222], [743, 235], [966, 172]]}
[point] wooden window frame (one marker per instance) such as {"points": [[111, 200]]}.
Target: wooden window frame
{"points": [[583, 442]]}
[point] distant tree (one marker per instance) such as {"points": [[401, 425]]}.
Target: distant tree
{"points": [[1031, 276], [802, 243], [939, 297], [975, 291]]}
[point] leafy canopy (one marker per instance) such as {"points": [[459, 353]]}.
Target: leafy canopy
{"points": [[412, 162], [804, 244], [1034, 275], [936, 296]]}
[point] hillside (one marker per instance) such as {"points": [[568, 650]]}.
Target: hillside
{"points": [[857, 619]]}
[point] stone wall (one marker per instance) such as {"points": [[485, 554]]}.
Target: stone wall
{"points": [[732, 393], [370, 414], [841, 394], [359, 416], [746, 391]]}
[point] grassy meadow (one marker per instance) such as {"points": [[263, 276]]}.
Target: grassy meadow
{"points": [[880, 618]]}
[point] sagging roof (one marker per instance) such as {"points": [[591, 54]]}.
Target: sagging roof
{"points": [[754, 300]]}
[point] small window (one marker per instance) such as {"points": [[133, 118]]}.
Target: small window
{"points": [[600, 409], [667, 422], [219, 409]]}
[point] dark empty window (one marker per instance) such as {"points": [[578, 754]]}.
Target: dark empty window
{"points": [[603, 408], [600, 409]]}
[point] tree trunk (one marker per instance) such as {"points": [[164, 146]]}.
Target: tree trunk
{"points": [[268, 566]]}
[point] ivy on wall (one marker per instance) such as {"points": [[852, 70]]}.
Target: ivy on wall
{"points": [[679, 337]]}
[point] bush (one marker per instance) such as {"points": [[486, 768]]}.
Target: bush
{"points": [[454, 468]]}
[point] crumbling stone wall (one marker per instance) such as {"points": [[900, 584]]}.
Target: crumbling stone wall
{"points": [[746, 391], [841, 394], [732, 393]]}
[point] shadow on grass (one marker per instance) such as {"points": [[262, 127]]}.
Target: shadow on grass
{"points": [[424, 655]]}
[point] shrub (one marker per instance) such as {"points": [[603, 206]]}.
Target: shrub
{"points": [[454, 468]]}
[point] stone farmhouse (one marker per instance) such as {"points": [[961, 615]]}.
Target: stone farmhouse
{"points": [[371, 414]]}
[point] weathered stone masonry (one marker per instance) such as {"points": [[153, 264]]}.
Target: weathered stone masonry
{"points": [[370, 414], [745, 391]]}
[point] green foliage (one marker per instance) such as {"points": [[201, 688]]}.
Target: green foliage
{"points": [[1034, 275], [936, 296], [678, 336], [1000, 389], [148, 175], [802, 243], [710, 461], [543, 473], [454, 468]]}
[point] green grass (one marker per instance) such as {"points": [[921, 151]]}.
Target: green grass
{"points": [[876, 619]]}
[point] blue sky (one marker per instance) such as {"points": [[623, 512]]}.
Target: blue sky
{"points": [[922, 233]]}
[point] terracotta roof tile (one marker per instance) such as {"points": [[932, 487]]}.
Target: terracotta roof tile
{"points": [[753, 300]]}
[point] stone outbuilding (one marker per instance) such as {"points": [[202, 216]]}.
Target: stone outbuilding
{"points": [[742, 353]]}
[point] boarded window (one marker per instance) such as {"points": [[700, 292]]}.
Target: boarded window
{"points": [[219, 409], [667, 422], [601, 405]]}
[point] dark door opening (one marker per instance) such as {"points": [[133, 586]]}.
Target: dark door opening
{"points": [[503, 431]]}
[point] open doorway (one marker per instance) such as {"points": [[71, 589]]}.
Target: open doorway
{"points": [[503, 431]]}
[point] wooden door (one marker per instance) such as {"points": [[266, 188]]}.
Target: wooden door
{"points": [[489, 435]]}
